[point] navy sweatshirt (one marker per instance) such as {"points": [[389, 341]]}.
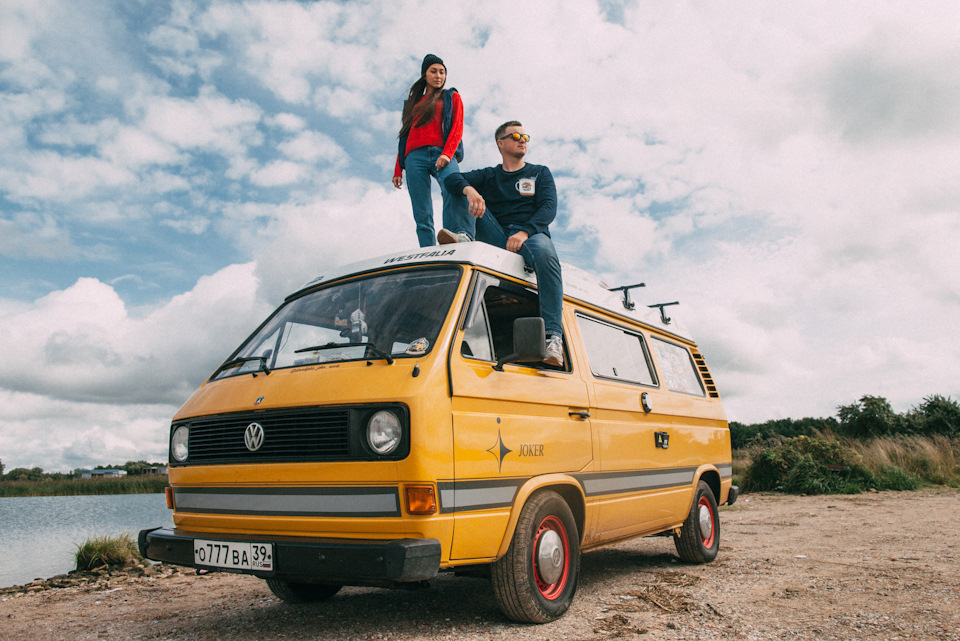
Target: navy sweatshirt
{"points": [[526, 199]]}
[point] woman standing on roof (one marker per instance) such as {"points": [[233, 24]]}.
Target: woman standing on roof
{"points": [[431, 145]]}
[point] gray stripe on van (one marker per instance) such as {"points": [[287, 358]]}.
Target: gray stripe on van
{"points": [[326, 501], [461, 496], [621, 482], [465, 496]]}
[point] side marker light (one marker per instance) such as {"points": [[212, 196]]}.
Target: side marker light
{"points": [[421, 499]]}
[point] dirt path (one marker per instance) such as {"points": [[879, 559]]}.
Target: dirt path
{"points": [[878, 566]]}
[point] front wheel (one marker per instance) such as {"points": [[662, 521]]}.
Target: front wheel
{"points": [[302, 592], [536, 580], [699, 539]]}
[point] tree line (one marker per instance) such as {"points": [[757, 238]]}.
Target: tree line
{"points": [[869, 417], [132, 468]]}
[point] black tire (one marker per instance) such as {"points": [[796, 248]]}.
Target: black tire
{"points": [[302, 592], [534, 589], [699, 539]]}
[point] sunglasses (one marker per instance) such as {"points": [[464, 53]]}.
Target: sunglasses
{"points": [[517, 137]]}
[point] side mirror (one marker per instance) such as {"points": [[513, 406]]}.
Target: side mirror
{"points": [[529, 342]]}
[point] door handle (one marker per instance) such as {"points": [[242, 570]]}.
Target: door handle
{"points": [[661, 439], [580, 413]]}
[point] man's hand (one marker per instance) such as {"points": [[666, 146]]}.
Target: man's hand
{"points": [[397, 181], [442, 161], [477, 205], [515, 242]]}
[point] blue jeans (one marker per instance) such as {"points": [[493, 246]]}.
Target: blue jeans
{"points": [[420, 164], [538, 252]]}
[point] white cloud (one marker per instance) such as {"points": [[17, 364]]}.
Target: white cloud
{"points": [[59, 435], [83, 344], [786, 172], [313, 147], [210, 121], [135, 148], [28, 234], [287, 121], [57, 178], [278, 173]]}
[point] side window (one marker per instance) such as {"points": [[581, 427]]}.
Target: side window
{"points": [[489, 334], [476, 338], [503, 306], [615, 352], [677, 368]]}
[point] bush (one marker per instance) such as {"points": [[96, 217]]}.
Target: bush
{"points": [[107, 550], [23, 474], [894, 478], [742, 436], [870, 416], [936, 415], [804, 465]]}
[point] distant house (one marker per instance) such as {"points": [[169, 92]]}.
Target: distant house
{"points": [[97, 474], [159, 469]]}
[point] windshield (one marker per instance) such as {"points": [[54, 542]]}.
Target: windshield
{"points": [[388, 316]]}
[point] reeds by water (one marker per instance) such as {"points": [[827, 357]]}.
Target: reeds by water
{"points": [[99, 551], [140, 484]]}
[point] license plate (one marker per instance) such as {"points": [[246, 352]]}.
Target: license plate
{"points": [[233, 555]]}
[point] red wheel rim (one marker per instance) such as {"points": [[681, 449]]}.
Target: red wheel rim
{"points": [[707, 522], [551, 524]]}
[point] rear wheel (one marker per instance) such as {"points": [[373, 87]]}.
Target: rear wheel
{"points": [[699, 539], [302, 592], [536, 580]]}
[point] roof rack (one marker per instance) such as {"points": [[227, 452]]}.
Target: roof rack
{"points": [[663, 315], [628, 304]]}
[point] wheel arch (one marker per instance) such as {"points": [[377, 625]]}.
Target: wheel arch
{"points": [[566, 486], [711, 476]]}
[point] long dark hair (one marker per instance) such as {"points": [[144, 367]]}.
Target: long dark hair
{"points": [[415, 115]]}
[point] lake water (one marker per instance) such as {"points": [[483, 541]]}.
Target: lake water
{"points": [[39, 535]]}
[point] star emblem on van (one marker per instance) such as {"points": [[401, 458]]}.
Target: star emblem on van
{"points": [[499, 451]]}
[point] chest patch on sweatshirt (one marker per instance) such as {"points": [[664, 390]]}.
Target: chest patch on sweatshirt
{"points": [[527, 186]]}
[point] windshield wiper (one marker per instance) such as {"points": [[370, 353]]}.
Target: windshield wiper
{"points": [[373, 348], [244, 359]]}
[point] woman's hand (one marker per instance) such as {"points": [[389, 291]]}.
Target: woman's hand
{"points": [[443, 161], [397, 181]]}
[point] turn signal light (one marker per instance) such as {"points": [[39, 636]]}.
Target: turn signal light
{"points": [[168, 493], [421, 499]]}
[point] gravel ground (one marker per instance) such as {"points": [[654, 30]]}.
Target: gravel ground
{"points": [[879, 566]]}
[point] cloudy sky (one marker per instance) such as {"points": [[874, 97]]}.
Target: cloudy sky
{"points": [[170, 169]]}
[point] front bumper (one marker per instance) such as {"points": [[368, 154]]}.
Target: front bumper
{"points": [[343, 561], [733, 494]]}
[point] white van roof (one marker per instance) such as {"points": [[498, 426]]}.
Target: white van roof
{"points": [[577, 283]]}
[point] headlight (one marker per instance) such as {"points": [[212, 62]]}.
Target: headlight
{"points": [[384, 432], [179, 448]]}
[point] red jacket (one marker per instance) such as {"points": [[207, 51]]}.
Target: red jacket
{"points": [[431, 134]]}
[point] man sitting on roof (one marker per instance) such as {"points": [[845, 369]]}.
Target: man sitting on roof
{"points": [[521, 199]]}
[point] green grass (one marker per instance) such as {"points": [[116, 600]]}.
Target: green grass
{"points": [[107, 550], [828, 464], [75, 487]]}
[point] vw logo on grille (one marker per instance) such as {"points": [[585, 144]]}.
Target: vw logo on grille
{"points": [[253, 436]]}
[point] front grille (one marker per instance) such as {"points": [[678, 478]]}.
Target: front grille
{"points": [[301, 434]]}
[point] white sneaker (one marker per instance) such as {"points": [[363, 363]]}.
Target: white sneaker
{"points": [[446, 237], [554, 351]]}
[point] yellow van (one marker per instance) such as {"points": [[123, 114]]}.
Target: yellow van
{"points": [[393, 419]]}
